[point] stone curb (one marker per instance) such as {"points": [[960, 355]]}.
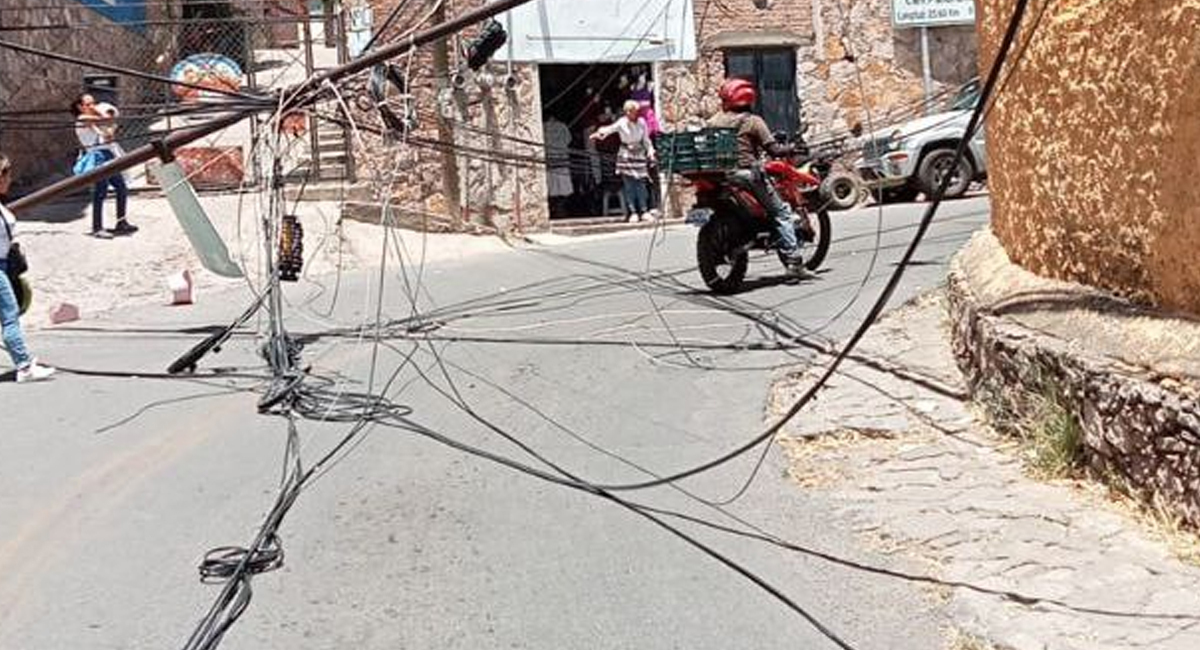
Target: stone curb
{"points": [[1138, 423]]}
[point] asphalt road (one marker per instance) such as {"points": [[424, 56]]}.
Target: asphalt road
{"points": [[114, 488]]}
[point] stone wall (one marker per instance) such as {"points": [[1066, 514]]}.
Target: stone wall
{"points": [[502, 186], [511, 194], [852, 65], [34, 88], [1093, 144], [503, 164], [887, 59]]}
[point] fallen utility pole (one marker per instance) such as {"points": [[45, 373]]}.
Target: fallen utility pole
{"points": [[295, 97]]}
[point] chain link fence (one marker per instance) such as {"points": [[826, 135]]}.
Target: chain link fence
{"points": [[248, 45]]}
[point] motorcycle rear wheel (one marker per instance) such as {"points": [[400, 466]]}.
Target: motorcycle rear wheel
{"points": [[722, 263]]}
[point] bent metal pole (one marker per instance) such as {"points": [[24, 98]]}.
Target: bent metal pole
{"points": [[178, 139]]}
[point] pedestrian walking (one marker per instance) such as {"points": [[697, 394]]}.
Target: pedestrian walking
{"points": [[96, 128], [28, 369], [632, 159]]}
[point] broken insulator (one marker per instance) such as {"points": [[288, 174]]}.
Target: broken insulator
{"points": [[291, 248]]}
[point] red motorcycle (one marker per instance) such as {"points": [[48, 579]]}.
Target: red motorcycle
{"points": [[732, 222]]}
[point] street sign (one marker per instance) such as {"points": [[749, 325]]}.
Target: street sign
{"points": [[932, 13]]}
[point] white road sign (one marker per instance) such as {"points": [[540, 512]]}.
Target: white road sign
{"points": [[931, 13]]}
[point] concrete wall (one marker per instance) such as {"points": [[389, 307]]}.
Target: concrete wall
{"points": [[1094, 143], [586, 31]]}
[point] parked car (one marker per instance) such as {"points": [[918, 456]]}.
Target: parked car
{"points": [[912, 158]]}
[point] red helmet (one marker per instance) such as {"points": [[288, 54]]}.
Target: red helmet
{"points": [[737, 93]]}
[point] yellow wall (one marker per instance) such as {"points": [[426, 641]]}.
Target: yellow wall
{"points": [[1094, 145]]}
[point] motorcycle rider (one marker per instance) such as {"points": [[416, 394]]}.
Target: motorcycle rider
{"points": [[754, 137]]}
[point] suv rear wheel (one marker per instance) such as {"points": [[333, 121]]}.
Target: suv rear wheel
{"points": [[936, 165]]}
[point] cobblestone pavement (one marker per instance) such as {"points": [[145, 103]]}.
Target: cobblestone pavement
{"points": [[909, 468]]}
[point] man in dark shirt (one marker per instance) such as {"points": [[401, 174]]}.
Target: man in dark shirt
{"points": [[754, 137]]}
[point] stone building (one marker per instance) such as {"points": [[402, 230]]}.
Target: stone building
{"points": [[822, 67]]}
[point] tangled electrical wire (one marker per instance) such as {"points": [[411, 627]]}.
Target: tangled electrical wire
{"points": [[295, 394]]}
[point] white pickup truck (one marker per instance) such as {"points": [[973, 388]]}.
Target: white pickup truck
{"points": [[913, 157]]}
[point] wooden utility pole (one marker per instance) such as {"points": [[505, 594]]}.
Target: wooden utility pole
{"points": [[441, 72]]}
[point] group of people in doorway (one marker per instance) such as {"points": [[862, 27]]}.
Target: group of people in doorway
{"points": [[634, 157], [636, 129], [597, 156]]}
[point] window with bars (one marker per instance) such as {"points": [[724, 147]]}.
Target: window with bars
{"points": [[773, 71]]}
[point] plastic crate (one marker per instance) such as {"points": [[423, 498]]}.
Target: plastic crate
{"points": [[706, 150]]}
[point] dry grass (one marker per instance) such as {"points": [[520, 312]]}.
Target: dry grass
{"points": [[1049, 436], [814, 461], [1156, 518], [960, 640]]}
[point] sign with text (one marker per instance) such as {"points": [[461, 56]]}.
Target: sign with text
{"points": [[931, 13]]}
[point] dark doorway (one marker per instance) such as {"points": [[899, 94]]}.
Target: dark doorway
{"points": [[576, 100], [773, 71]]}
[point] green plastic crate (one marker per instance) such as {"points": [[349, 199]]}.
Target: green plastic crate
{"points": [[706, 150]]}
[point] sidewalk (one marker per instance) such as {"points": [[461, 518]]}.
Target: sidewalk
{"points": [[105, 276], [909, 468]]}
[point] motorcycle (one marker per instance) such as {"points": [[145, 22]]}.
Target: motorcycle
{"points": [[732, 222]]}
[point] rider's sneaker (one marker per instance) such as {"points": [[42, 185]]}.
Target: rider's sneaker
{"points": [[793, 262]]}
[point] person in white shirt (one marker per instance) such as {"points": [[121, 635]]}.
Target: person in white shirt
{"points": [[632, 159], [96, 128], [28, 369]]}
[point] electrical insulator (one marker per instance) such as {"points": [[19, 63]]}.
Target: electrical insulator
{"points": [[482, 47], [388, 82], [291, 248]]}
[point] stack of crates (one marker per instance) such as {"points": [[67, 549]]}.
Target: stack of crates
{"points": [[709, 150]]}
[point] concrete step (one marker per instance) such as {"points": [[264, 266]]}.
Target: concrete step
{"points": [[326, 189], [601, 225]]}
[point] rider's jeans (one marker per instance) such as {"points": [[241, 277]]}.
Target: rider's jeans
{"points": [[755, 180]]}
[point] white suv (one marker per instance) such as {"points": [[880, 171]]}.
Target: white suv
{"points": [[914, 157]]}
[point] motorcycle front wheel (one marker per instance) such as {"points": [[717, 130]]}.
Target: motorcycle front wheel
{"points": [[720, 258]]}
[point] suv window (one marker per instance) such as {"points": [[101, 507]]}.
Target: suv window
{"points": [[967, 97]]}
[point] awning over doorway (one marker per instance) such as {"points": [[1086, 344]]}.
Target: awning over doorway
{"points": [[592, 31]]}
